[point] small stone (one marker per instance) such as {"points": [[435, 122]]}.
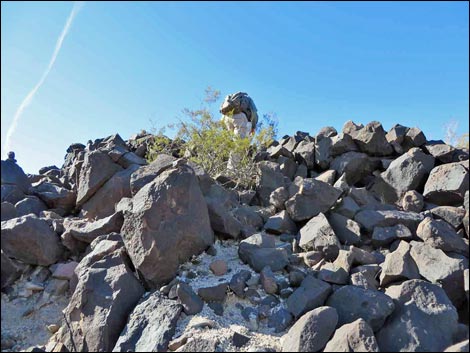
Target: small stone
{"points": [[53, 328], [219, 267], [239, 340], [268, 281]]}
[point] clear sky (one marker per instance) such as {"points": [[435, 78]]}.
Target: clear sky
{"points": [[312, 63]]}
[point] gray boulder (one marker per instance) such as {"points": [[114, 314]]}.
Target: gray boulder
{"points": [[311, 332], [151, 325], [342, 143], [353, 303], [8, 211], [323, 151], [309, 197], [87, 231], [371, 140], [447, 185], [9, 271], [318, 235], [146, 174], [106, 293], [354, 337], [399, 265], [311, 294], [440, 150], [412, 201], [30, 204], [452, 215], [270, 178], [424, 319], [440, 235], [238, 282], [55, 196], [305, 153], [31, 240], [216, 293], [347, 230], [191, 302], [384, 236], [347, 207], [435, 266], [370, 219], [414, 137], [259, 251], [102, 204], [354, 165], [97, 168], [278, 198], [168, 224], [13, 174], [11, 193], [281, 223]]}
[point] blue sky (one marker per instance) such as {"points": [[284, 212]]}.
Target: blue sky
{"points": [[312, 63]]}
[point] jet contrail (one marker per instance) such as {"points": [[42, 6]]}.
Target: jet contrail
{"points": [[76, 7]]}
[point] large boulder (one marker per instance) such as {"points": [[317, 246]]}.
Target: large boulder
{"points": [[440, 235], [102, 203], [259, 251], [309, 197], [370, 219], [354, 337], [55, 196], [30, 204], [168, 224], [305, 153], [318, 235], [105, 295], [347, 230], [270, 178], [96, 170], [452, 215], [146, 174], [354, 165], [424, 319], [281, 223], [436, 267], [447, 184], [353, 303], [409, 171], [311, 332], [13, 174], [150, 326], [11, 193], [8, 211], [371, 140], [31, 240]]}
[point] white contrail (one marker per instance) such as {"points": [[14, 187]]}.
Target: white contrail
{"points": [[76, 7]]}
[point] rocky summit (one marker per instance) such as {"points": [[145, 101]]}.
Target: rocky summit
{"points": [[350, 241]]}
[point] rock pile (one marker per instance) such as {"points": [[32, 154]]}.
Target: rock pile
{"points": [[352, 241]]}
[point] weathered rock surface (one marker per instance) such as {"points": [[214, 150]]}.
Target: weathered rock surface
{"points": [[318, 235], [447, 184], [146, 174], [259, 251], [440, 235], [354, 337], [12, 174], [311, 294], [424, 319], [168, 224], [399, 265]]}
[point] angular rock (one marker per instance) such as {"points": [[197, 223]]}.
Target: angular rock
{"points": [[328, 177], [312, 331], [288, 167], [259, 251], [65, 270], [399, 265], [412, 201], [102, 204], [305, 153], [447, 184], [214, 293], [106, 293], [397, 134], [10, 272], [353, 303], [218, 267], [415, 137], [200, 345], [440, 235], [11, 193], [318, 235], [440, 151], [146, 174], [333, 273], [322, 151], [169, 223], [278, 198], [270, 178], [342, 143], [409, 171], [55, 196], [86, 231], [347, 230], [354, 165], [384, 236], [370, 219], [280, 319], [281, 223], [238, 282], [354, 337], [310, 295], [435, 266], [347, 207], [30, 204], [31, 240], [268, 281], [424, 319], [371, 140], [97, 168], [309, 197], [8, 211], [13, 174], [452, 215], [151, 325], [192, 304]]}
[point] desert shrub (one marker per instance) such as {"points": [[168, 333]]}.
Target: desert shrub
{"points": [[209, 144]]}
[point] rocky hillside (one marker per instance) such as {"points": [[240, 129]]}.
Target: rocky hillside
{"points": [[352, 241]]}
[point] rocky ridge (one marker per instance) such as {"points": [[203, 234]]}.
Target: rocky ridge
{"points": [[352, 241]]}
